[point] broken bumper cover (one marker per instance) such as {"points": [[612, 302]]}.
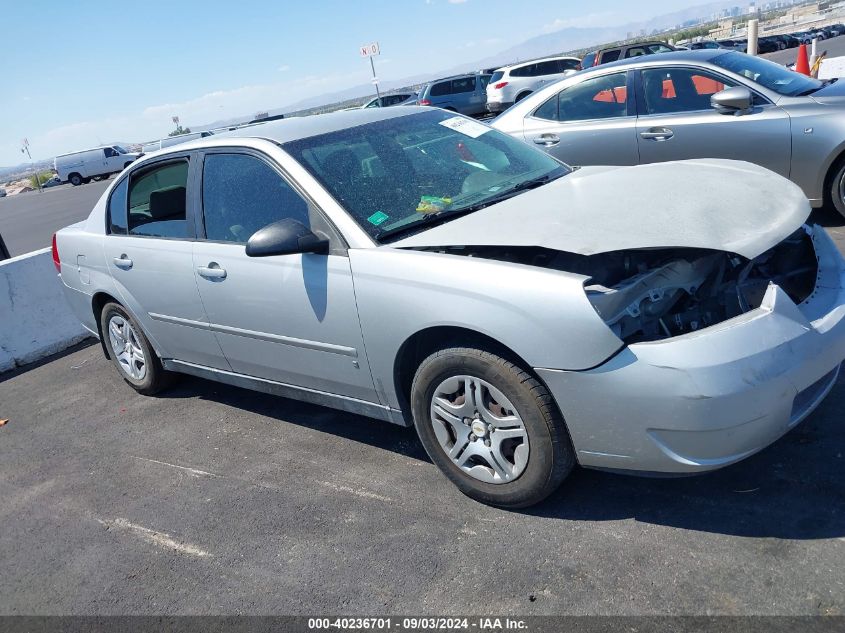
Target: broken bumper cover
{"points": [[707, 399]]}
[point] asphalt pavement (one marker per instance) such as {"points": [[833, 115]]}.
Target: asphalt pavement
{"points": [[28, 220], [211, 499]]}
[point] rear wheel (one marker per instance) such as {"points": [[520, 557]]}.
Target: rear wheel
{"points": [[130, 351], [75, 179], [491, 427]]}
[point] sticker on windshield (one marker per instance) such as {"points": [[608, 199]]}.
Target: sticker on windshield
{"points": [[377, 218], [467, 127], [433, 204]]}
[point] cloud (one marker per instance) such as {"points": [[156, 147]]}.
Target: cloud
{"points": [[582, 21], [283, 68]]}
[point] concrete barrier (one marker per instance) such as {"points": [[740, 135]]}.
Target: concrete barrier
{"points": [[35, 319]]}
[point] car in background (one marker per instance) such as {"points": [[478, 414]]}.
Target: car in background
{"points": [[789, 41], [422, 268], [614, 53], [702, 44], [2, 192], [697, 104], [769, 45], [170, 141], [81, 167], [392, 99], [52, 181], [465, 94], [510, 84]]}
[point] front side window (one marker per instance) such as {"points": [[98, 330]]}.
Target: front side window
{"points": [[158, 201], [405, 173], [110, 152], [674, 90], [241, 194]]}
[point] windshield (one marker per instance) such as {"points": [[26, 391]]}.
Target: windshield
{"points": [[397, 175], [768, 74], [120, 150]]}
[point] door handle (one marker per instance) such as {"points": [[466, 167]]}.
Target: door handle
{"points": [[212, 271], [657, 134], [123, 262], [547, 140]]}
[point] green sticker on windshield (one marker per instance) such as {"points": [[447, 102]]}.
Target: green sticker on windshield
{"points": [[377, 218]]}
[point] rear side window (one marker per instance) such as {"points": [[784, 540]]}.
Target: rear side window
{"points": [[597, 98], [117, 208], [464, 84], [157, 201], [438, 90], [529, 70], [548, 68], [241, 194], [611, 56]]}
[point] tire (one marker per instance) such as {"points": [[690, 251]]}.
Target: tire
{"points": [[836, 187], [521, 96], [536, 453], [131, 352], [75, 179]]}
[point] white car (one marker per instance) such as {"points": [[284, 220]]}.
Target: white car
{"points": [[509, 84], [80, 167]]}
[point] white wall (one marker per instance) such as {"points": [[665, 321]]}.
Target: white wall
{"points": [[35, 319]]}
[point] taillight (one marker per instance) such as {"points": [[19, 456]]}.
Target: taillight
{"points": [[56, 261], [500, 85], [425, 102]]}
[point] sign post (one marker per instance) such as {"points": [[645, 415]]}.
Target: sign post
{"points": [[371, 50]]}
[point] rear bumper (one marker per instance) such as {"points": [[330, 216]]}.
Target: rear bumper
{"points": [[708, 399], [494, 107]]}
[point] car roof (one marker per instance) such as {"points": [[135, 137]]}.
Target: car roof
{"points": [[296, 128], [534, 61], [474, 73], [701, 55]]}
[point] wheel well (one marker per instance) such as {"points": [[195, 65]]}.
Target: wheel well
{"points": [[72, 174], [522, 95], [425, 342], [98, 302]]}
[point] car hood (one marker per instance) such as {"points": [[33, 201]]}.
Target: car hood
{"points": [[717, 204]]}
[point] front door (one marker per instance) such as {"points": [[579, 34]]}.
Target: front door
{"points": [[288, 318], [588, 123], [676, 122]]}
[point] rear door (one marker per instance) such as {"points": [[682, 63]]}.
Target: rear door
{"points": [[287, 318], [148, 252], [677, 122], [588, 123], [466, 99]]}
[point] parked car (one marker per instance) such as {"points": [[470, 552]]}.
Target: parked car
{"points": [[804, 37], [509, 84], [698, 104], [2, 193], [769, 45], [53, 181], [419, 267], [702, 44], [81, 167], [789, 41], [466, 94], [392, 99], [612, 54]]}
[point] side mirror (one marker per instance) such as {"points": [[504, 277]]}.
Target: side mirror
{"points": [[736, 100], [285, 237]]}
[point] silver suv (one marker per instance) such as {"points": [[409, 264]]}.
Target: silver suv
{"points": [[512, 83]]}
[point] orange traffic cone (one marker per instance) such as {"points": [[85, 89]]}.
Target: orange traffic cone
{"points": [[802, 64]]}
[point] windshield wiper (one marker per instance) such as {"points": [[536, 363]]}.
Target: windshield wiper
{"points": [[824, 84], [426, 221], [518, 188]]}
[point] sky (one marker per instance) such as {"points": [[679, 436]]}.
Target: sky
{"points": [[76, 75]]}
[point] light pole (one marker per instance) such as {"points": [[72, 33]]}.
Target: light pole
{"points": [[25, 148]]}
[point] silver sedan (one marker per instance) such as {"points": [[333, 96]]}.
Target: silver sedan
{"points": [[419, 267], [694, 104]]}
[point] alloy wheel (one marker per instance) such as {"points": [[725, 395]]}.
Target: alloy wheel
{"points": [[127, 347]]}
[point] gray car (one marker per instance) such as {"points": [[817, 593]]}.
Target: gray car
{"points": [[694, 104], [419, 267], [465, 94]]}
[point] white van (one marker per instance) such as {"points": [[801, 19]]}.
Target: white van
{"points": [[97, 164]]}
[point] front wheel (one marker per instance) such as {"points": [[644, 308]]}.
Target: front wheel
{"points": [[491, 427]]}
